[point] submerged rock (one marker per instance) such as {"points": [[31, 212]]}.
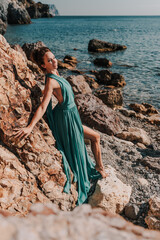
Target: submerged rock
{"points": [[102, 62], [96, 45]]}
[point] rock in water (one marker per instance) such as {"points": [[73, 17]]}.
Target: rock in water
{"points": [[17, 14], [110, 194], [96, 45]]}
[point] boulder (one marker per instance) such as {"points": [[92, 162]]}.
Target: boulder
{"points": [[28, 48], [152, 162], [111, 97], [70, 60], [110, 193], [108, 78], [91, 81], [79, 84], [135, 135], [18, 187], [153, 218], [102, 62], [96, 114], [3, 19], [144, 108], [19, 99], [131, 211], [17, 14], [47, 222], [96, 45]]}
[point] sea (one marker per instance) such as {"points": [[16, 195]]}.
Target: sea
{"points": [[139, 63]]}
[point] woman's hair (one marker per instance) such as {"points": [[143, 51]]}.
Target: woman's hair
{"points": [[37, 56]]}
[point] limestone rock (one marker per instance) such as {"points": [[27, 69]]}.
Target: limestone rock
{"points": [[111, 97], [134, 134], [153, 218], [96, 114], [47, 222], [96, 45], [110, 194], [79, 84], [18, 187], [19, 98]]}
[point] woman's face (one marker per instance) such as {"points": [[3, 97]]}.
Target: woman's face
{"points": [[50, 62]]}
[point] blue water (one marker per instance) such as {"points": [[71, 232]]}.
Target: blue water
{"points": [[139, 64]]}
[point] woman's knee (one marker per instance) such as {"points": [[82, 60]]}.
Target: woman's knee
{"points": [[96, 137]]}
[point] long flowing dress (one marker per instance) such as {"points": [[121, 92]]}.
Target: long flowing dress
{"points": [[66, 126]]}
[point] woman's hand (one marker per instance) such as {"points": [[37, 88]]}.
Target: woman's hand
{"points": [[22, 132]]}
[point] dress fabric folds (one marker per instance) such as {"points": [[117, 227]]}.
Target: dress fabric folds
{"points": [[66, 126]]}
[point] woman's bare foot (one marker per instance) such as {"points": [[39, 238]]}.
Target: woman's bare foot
{"points": [[102, 171]]}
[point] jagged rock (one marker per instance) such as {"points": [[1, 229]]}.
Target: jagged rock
{"points": [[102, 62], [18, 187], [110, 193], [38, 10], [144, 108], [19, 98], [47, 222], [111, 97], [97, 115], [62, 65], [108, 78], [96, 45], [153, 218], [3, 19], [29, 47], [152, 163], [70, 60], [17, 14], [79, 84], [18, 48], [134, 134], [53, 10], [91, 81]]}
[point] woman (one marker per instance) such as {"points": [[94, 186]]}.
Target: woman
{"points": [[67, 128]]}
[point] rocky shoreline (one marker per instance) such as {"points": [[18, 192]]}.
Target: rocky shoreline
{"points": [[130, 142], [21, 12]]}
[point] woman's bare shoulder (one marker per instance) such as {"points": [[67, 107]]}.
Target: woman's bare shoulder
{"points": [[52, 82]]}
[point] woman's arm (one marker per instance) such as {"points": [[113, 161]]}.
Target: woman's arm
{"points": [[24, 132]]}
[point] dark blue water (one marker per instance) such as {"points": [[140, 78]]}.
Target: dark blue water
{"points": [[139, 64]]}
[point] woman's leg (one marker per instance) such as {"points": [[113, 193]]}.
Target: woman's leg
{"points": [[95, 146]]}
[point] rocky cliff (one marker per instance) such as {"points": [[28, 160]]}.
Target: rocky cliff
{"points": [[21, 12], [31, 170]]}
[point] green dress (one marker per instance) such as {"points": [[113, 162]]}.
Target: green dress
{"points": [[66, 126]]}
